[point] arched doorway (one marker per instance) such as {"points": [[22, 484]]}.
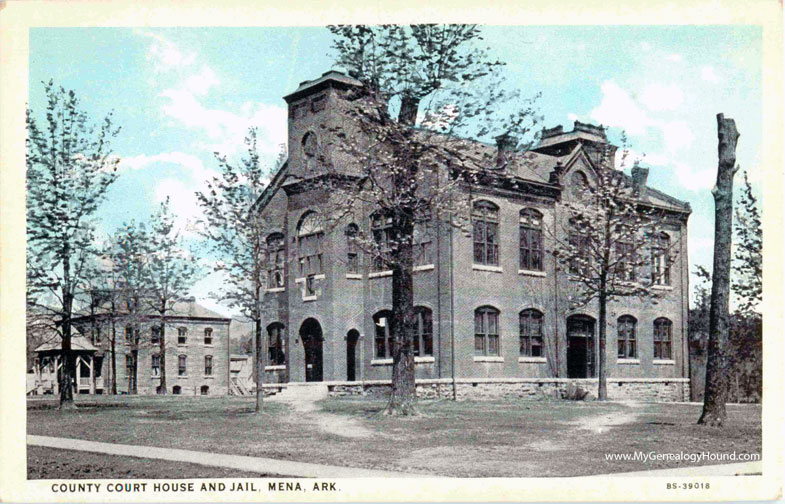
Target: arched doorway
{"points": [[351, 354], [311, 335], [580, 347]]}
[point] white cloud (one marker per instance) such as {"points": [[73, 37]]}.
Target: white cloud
{"points": [[645, 46], [201, 82], [619, 110], [694, 178], [677, 135], [182, 202], [165, 54], [662, 97], [707, 74], [675, 57]]}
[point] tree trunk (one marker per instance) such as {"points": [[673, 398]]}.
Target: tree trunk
{"points": [[602, 379], [719, 327], [68, 366], [162, 355], [404, 394], [259, 367], [114, 356]]}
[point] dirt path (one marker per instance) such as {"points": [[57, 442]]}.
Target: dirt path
{"points": [[601, 423], [307, 411]]}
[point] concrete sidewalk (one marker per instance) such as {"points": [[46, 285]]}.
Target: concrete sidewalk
{"points": [[249, 464], [738, 469]]}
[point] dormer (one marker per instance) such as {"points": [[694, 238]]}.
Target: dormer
{"points": [[556, 142]]}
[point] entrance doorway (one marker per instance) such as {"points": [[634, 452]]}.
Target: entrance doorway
{"points": [[311, 335], [351, 354], [580, 347]]}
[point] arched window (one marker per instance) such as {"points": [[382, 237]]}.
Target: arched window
{"points": [[309, 244], [530, 239], [486, 331], [276, 254], [530, 323], [205, 390], [182, 369], [208, 365], [382, 231], [580, 256], [352, 258], [182, 335], [208, 336], [578, 185], [485, 224], [275, 348], [383, 343], [422, 343], [663, 329], [627, 349], [660, 266]]}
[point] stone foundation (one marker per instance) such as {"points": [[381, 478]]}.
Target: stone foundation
{"points": [[639, 389]]}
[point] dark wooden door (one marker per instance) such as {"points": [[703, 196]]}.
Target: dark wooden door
{"points": [[351, 355]]}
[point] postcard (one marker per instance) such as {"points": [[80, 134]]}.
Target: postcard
{"points": [[391, 252]]}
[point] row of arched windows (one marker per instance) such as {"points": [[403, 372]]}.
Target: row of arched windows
{"points": [[530, 325]]}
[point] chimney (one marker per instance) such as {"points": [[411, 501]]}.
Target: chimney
{"points": [[639, 177], [504, 144]]}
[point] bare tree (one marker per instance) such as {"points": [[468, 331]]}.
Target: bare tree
{"points": [[424, 88], [235, 233], [611, 245], [719, 318], [69, 170]]}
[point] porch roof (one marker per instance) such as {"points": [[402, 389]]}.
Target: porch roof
{"points": [[78, 344]]}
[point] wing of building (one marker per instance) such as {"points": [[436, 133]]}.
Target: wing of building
{"points": [[128, 348], [493, 311]]}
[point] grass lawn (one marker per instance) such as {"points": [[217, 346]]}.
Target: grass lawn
{"points": [[49, 463], [468, 439]]}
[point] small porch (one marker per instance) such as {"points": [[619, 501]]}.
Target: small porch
{"points": [[49, 361]]}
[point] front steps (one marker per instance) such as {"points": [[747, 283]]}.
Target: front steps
{"points": [[312, 391]]}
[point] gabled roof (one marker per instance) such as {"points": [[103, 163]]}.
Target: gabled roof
{"points": [[192, 309], [78, 343], [327, 79]]}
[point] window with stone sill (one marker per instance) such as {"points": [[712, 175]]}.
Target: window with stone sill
{"points": [[182, 335], [423, 239], [486, 332], [208, 365], [485, 231], [530, 235], [626, 262], [309, 244], [382, 232], [155, 335], [627, 348], [660, 265], [275, 344], [276, 254], [208, 336], [352, 257], [182, 369], [530, 325], [662, 339], [422, 343], [383, 343], [155, 366]]}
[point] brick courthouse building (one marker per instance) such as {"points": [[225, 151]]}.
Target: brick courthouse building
{"points": [[493, 313]]}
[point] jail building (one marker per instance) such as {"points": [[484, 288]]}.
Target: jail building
{"points": [[494, 316], [197, 353]]}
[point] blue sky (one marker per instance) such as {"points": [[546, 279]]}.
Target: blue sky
{"points": [[182, 93]]}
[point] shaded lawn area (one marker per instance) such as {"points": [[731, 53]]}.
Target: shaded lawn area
{"points": [[467, 439], [51, 463]]}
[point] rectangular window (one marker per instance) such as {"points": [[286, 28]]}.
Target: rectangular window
{"points": [[485, 223], [662, 339], [276, 261], [531, 333], [155, 335], [208, 336], [422, 241], [383, 337], [422, 343], [208, 365], [182, 370], [625, 262], [275, 348], [381, 229], [182, 335], [580, 262], [627, 349], [155, 369], [660, 267]]}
